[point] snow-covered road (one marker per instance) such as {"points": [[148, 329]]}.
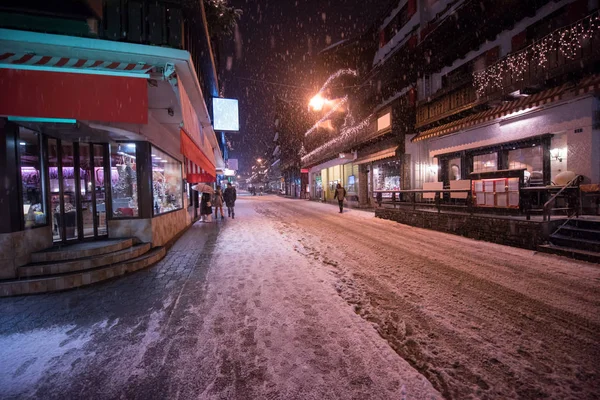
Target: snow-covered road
{"points": [[292, 300]]}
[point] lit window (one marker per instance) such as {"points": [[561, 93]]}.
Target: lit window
{"points": [[384, 122], [123, 171], [34, 209], [167, 182]]}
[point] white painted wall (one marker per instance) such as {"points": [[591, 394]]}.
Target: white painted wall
{"points": [[561, 119]]}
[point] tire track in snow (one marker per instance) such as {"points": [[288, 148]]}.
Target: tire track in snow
{"points": [[523, 340]]}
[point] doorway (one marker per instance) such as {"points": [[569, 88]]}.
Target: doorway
{"points": [[78, 189]]}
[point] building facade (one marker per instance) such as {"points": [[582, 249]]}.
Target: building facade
{"points": [[106, 122], [438, 106]]}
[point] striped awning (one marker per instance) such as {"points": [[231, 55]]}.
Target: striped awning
{"points": [[36, 61], [195, 174], [380, 155], [524, 103]]}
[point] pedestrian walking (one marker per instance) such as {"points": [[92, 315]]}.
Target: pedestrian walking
{"points": [[205, 207], [340, 195], [218, 202], [230, 196], [379, 198]]}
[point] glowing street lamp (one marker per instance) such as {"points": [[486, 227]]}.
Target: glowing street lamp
{"points": [[259, 159], [317, 103]]}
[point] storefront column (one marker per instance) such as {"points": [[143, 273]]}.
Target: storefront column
{"points": [[144, 171], [363, 184], [11, 212]]}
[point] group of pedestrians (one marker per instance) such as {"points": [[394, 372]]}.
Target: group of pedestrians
{"points": [[219, 197]]}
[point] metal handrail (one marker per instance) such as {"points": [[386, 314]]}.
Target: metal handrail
{"points": [[577, 178], [437, 199]]}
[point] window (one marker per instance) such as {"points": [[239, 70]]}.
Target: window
{"points": [[531, 159], [396, 24], [485, 162], [32, 188], [123, 175], [167, 182], [454, 169], [384, 122], [386, 176]]}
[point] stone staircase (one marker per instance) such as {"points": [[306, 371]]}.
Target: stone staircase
{"points": [[70, 266], [579, 238]]}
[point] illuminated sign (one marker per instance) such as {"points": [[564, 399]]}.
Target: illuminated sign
{"points": [[228, 172], [226, 114]]}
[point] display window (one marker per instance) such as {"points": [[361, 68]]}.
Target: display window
{"points": [[123, 168], [167, 182], [32, 182], [386, 176]]}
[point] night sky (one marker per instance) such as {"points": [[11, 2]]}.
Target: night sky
{"points": [[271, 55]]}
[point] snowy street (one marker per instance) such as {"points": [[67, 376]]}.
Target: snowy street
{"points": [[292, 300]]}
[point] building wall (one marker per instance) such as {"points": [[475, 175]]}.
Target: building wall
{"points": [[561, 119], [16, 248]]}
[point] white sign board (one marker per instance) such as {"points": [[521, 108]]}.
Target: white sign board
{"points": [[226, 114]]}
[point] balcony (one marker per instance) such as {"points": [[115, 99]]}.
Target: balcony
{"points": [[447, 103], [568, 53]]}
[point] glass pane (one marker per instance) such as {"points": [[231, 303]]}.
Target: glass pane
{"points": [[531, 159], [31, 178], [87, 205], [166, 182], [454, 169], [69, 194], [123, 176], [386, 176], [100, 189], [54, 189], [485, 162]]}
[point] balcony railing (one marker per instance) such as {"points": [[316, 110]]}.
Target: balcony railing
{"points": [[447, 104], [571, 49]]}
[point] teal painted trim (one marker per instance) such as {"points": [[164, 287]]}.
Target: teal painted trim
{"points": [[75, 70], [144, 52], [35, 119]]}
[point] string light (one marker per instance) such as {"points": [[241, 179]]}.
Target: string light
{"points": [[346, 134], [568, 41]]}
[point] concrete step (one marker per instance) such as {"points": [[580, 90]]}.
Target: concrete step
{"points": [[80, 250], [573, 242], [584, 223], [82, 264], [580, 233], [590, 256], [53, 283]]}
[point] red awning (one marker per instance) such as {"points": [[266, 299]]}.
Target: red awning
{"points": [[199, 167], [45, 94]]}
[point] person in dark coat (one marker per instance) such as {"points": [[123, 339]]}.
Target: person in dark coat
{"points": [[340, 195], [230, 196], [205, 207]]}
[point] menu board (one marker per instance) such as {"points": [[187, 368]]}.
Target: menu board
{"points": [[499, 192]]}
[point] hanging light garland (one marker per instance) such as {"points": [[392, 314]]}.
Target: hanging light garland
{"points": [[344, 136], [568, 41]]}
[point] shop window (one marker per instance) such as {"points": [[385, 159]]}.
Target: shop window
{"points": [[32, 188], [531, 159], [485, 162], [123, 175], [386, 176], [166, 182]]}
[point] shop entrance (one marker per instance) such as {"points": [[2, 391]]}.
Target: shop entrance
{"points": [[79, 177]]}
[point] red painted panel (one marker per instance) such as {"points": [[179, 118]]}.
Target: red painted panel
{"points": [[44, 94], [190, 150], [412, 8]]}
